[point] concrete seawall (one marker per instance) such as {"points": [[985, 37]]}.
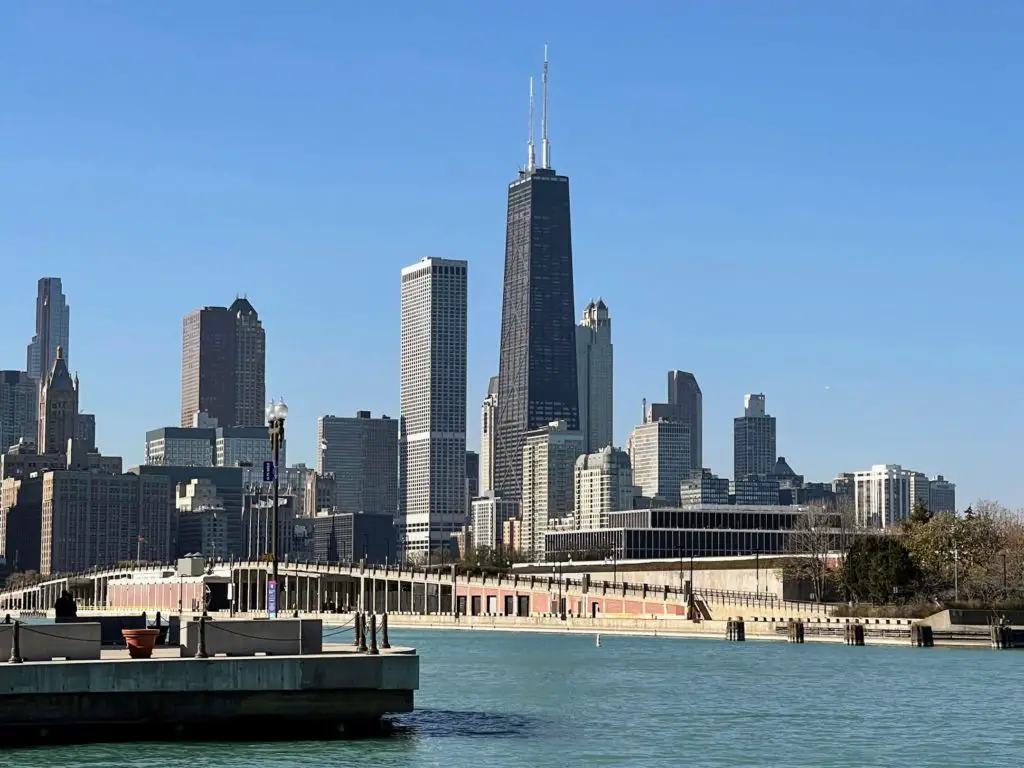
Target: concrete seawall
{"points": [[877, 631]]}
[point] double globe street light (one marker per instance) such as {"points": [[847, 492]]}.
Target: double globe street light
{"points": [[277, 412]]}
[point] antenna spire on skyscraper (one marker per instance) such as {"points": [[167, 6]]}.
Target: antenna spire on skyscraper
{"points": [[531, 161], [545, 145]]}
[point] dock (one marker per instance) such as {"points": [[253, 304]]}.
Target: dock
{"points": [[247, 679]]}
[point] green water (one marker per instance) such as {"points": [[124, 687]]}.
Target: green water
{"points": [[495, 699]]}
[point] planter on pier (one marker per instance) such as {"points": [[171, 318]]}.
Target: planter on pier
{"points": [[140, 642]]}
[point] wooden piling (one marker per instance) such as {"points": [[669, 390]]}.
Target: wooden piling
{"points": [[735, 630], [855, 634], [922, 636], [795, 631]]}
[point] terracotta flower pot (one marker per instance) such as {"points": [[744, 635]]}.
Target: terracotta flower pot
{"points": [[140, 642]]}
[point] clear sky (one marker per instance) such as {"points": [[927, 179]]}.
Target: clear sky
{"points": [[818, 201]]}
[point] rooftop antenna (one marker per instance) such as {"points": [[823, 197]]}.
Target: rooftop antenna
{"points": [[532, 159], [545, 146]]}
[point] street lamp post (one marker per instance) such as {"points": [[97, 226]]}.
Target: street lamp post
{"points": [[277, 412]]}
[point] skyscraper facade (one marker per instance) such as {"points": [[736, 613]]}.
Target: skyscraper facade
{"points": [[223, 366], [18, 408], [53, 328], [58, 408], [549, 462], [537, 381], [432, 427], [361, 452], [685, 396], [659, 452], [754, 450], [594, 372], [488, 416]]}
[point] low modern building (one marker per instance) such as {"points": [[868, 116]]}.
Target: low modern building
{"points": [[706, 531]]}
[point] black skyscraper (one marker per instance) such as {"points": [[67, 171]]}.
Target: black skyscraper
{"points": [[537, 368]]}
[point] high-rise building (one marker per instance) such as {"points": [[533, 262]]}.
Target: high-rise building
{"points": [[361, 452], [660, 454], [472, 478], [86, 432], [21, 517], [223, 366], [19, 408], [432, 427], [58, 408], [920, 489], [604, 484], [754, 450], [594, 372], [488, 520], [90, 519], [53, 327], [703, 488], [685, 405], [537, 381], [549, 462], [882, 495], [941, 495], [685, 395], [488, 413]]}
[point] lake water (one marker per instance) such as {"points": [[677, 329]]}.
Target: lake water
{"points": [[495, 699]]}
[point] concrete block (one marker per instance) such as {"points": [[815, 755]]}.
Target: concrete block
{"points": [[45, 642], [249, 637]]}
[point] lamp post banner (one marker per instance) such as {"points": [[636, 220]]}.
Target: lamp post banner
{"points": [[272, 599]]}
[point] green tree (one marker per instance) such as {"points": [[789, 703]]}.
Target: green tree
{"points": [[878, 569], [954, 554]]}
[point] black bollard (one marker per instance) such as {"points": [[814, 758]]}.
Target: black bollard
{"points": [[355, 630], [373, 635], [384, 642], [201, 649], [796, 631], [7, 619], [362, 633], [16, 645], [158, 620]]}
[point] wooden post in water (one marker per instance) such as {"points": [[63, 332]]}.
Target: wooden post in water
{"points": [[922, 636], [855, 634], [735, 630], [796, 631]]}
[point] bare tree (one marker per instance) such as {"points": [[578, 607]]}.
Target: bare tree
{"points": [[811, 542]]}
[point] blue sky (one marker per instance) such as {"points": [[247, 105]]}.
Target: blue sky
{"points": [[819, 201]]}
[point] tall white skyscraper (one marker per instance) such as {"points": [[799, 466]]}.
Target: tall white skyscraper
{"points": [[594, 373], [488, 434], [432, 427], [53, 324], [549, 461], [754, 451]]}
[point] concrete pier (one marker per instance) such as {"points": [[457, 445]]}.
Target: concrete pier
{"points": [[336, 691]]}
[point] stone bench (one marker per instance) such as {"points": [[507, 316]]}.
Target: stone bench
{"points": [[45, 642], [252, 637]]}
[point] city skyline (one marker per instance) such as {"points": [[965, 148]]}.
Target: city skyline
{"points": [[854, 394]]}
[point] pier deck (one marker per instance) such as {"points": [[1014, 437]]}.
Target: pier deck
{"points": [[116, 698]]}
